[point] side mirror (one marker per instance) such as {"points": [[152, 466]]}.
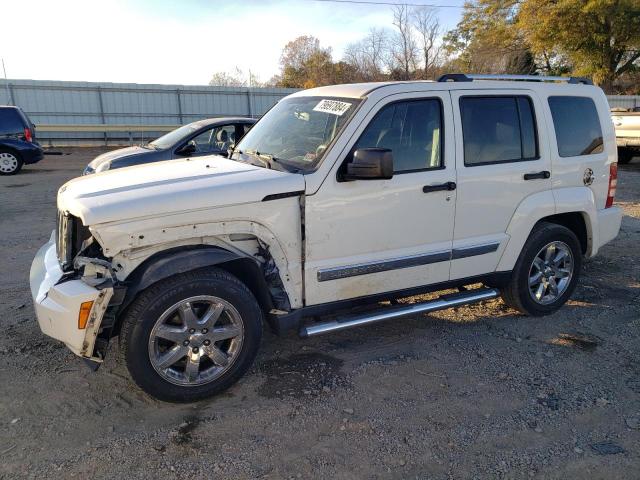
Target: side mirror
{"points": [[188, 149], [370, 164]]}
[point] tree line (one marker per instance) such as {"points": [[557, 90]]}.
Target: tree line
{"points": [[599, 39]]}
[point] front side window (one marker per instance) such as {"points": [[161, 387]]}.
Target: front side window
{"points": [[215, 139], [296, 132], [577, 126], [498, 129], [174, 136], [412, 130]]}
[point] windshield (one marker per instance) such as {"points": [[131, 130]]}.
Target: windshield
{"points": [[296, 132], [174, 136]]}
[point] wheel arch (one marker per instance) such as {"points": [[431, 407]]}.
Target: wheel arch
{"points": [[178, 260], [573, 208]]}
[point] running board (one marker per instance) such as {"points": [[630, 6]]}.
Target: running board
{"points": [[441, 303]]}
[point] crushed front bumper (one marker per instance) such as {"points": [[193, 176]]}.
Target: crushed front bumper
{"points": [[57, 302]]}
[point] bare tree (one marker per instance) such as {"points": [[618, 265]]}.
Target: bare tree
{"points": [[368, 56], [404, 45], [236, 78], [427, 26]]}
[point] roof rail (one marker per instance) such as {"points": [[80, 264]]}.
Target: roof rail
{"points": [[461, 77]]}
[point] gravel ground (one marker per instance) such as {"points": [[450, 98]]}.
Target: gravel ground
{"points": [[474, 392]]}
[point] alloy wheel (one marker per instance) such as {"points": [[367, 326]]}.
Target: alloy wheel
{"points": [[196, 340], [551, 272]]}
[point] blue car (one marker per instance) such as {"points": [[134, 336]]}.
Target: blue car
{"points": [[18, 144], [213, 136]]}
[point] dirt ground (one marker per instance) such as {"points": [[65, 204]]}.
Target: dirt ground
{"points": [[475, 392]]}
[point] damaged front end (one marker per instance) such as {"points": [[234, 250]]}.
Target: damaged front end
{"points": [[71, 292]]}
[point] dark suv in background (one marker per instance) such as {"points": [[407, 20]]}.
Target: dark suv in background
{"points": [[18, 144]]}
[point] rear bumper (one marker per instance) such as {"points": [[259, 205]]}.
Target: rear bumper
{"points": [[57, 302], [609, 220], [32, 153]]}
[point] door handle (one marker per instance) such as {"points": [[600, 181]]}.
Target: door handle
{"points": [[540, 175], [448, 186]]}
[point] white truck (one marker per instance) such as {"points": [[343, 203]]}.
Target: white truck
{"points": [[339, 196], [627, 125]]}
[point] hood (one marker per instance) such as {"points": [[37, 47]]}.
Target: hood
{"points": [[115, 154], [170, 187]]}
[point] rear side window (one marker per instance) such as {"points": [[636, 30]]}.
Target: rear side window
{"points": [[412, 130], [11, 121], [498, 129], [577, 126]]}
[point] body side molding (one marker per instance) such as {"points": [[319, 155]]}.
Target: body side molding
{"points": [[355, 270]]}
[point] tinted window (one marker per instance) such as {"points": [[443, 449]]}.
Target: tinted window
{"points": [[577, 126], [498, 129], [10, 121], [413, 132]]}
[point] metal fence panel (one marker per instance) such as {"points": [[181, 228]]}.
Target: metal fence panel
{"points": [[103, 103]]}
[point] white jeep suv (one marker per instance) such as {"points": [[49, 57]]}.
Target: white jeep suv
{"points": [[338, 196]]}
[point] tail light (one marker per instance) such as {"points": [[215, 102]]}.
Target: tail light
{"points": [[613, 183], [27, 135]]}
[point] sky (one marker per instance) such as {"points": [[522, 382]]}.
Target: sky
{"points": [[175, 42]]}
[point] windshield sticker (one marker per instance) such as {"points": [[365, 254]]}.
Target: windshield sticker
{"points": [[334, 107]]}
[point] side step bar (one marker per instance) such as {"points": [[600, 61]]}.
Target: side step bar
{"points": [[441, 303]]}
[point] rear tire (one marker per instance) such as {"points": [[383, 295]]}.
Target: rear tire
{"points": [[191, 336], [10, 162], [546, 272]]}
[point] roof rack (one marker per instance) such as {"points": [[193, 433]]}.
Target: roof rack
{"points": [[461, 77]]}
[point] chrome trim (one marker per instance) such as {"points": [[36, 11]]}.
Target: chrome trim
{"points": [[383, 266], [447, 301], [335, 273], [473, 250]]}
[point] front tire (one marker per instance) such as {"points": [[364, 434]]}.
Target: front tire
{"points": [[10, 162], [546, 272], [191, 336]]}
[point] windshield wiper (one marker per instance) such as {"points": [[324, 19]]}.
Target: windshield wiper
{"points": [[252, 154], [283, 165]]}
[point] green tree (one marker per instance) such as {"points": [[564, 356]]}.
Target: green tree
{"points": [[595, 38], [601, 38], [488, 40]]}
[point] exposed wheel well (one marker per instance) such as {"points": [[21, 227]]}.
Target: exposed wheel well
{"points": [[574, 221], [246, 270]]}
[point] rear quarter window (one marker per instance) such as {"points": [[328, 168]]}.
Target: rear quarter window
{"points": [[577, 126], [10, 121]]}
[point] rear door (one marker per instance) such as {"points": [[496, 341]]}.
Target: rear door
{"points": [[501, 160]]}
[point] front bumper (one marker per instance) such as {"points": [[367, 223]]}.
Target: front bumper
{"points": [[57, 302]]}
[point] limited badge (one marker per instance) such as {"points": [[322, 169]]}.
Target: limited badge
{"points": [[588, 177]]}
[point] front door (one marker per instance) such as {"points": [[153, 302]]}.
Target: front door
{"points": [[365, 237]]}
